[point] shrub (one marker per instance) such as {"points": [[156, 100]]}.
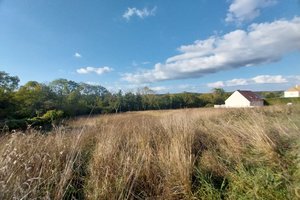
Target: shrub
{"points": [[47, 120], [53, 115], [14, 124]]}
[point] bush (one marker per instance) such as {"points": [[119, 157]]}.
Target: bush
{"points": [[14, 124], [53, 115], [45, 122]]}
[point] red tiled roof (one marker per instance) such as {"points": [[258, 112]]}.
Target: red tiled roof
{"points": [[251, 96]]}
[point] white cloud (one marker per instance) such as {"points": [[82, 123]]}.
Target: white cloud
{"points": [[159, 88], [77, 55], [238, 81], [93, 83], [218, 84], [259, 44], [145, 12], [99, 70], [246, 10], [261, 79], [269, 79]]}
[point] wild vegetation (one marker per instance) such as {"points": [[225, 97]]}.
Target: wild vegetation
{"points": [[40, 105], [172, 154], [282, 101]]}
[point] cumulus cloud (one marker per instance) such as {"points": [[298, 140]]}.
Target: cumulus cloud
{"points": [[141, 13], [259, 44], [99, 70], [246, 10], [77, 55], [261, 79], [269, 79]]}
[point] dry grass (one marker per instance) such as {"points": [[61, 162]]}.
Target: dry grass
{"points": [[177, 154]]}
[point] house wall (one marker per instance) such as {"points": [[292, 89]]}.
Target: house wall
{"points": [[257, 103], [291, 94], [237, 100]]}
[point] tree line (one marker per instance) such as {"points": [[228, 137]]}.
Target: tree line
{"points": [[67, 98]]}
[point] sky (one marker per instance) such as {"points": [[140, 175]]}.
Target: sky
{"points": [[169, 46]]}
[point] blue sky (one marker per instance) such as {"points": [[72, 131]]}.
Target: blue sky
{"points": [[170, 46]]}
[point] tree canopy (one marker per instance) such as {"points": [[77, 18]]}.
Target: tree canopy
{"points": [[34, 100], [8, 83]]}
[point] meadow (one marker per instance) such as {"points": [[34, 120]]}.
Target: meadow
{"points": [[169, 154]]}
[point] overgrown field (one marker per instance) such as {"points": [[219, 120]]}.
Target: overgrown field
{"points": [[175, 154]]}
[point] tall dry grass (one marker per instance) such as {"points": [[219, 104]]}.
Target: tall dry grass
{"points": [[178, 154]]}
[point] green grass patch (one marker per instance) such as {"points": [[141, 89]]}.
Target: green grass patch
{"points": [[282, 101]]}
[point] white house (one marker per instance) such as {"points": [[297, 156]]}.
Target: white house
{"points": [[242, 98], [292, 92]]}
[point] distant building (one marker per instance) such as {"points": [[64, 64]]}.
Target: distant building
{"points": [[292, 92], [242, 98]]}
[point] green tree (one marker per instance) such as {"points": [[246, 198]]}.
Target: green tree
{"points": [[219, 96], [116, 101], [7, 104], [8, 83], [33, 99], [149, 98], [93, 97], [132, 102], [189, 100], [218, 91], [165, 101], [63, 87], [177, 101], [92, 90]]}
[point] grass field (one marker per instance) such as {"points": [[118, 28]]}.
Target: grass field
{"points": [[174, 154]]}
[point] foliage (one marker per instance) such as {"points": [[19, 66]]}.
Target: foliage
{"points": [[8, 83], [52, 115], [282, 101], [219, 96], [268, 95], [14, 124], [34, 99], [7, 104]]}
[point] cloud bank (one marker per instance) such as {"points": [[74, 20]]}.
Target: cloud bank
{"points": [[260, 44], [246, 10], [145, 12], [99, 70], [261, 79]]}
